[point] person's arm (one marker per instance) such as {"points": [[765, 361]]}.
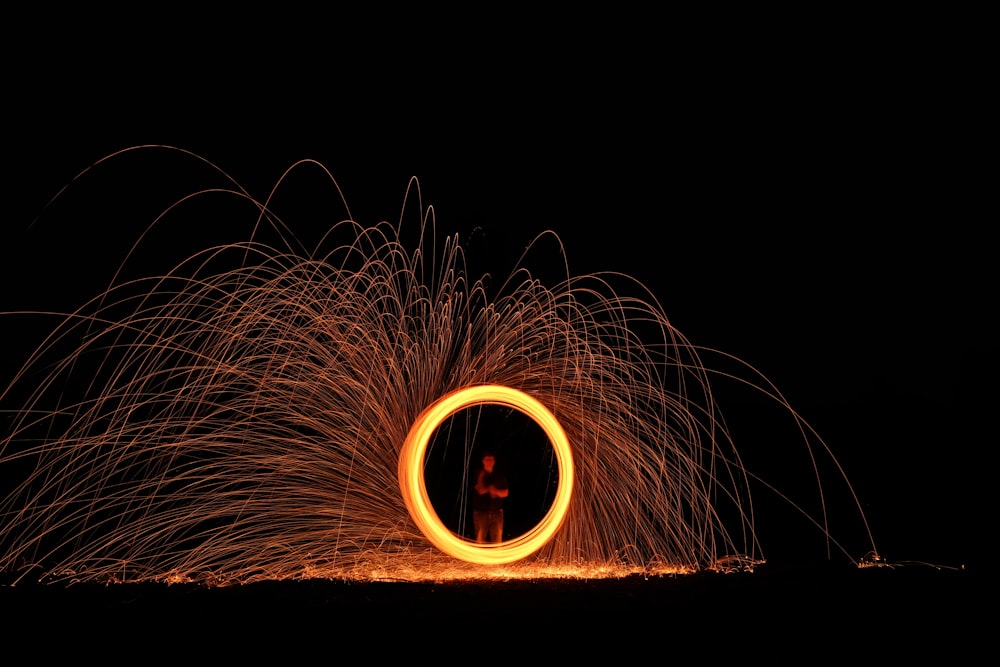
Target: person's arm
{"points": [[481, 488], [501, 490]]}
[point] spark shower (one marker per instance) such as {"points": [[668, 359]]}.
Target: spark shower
{"points": [[265, 410]]}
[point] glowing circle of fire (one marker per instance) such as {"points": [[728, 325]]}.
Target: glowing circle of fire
{"points": [[414, 488]]}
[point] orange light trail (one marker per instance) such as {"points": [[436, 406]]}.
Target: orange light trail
{"points": [[414, 488], [260, 410]]}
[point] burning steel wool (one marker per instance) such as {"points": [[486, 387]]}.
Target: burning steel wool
{"points": [[266, 411]]}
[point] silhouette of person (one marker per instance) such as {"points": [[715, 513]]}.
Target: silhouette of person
{"points": [[487, 501]]}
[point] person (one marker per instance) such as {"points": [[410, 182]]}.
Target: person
{"points": [[487, 501]]}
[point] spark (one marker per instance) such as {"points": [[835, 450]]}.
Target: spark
{"points": [[264, 410]]}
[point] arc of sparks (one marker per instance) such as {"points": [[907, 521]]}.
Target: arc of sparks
{"points": [[241, 416]]}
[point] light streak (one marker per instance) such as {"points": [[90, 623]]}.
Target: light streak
{"points": [[418, 502], [255, 412]]}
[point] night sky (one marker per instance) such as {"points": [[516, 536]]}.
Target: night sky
{"points": [[814, 213]]}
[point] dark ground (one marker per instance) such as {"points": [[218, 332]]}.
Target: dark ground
{"points": [[872, 615]]}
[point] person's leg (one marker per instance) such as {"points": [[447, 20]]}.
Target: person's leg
{"points": [[496, 526], [480, 520]]}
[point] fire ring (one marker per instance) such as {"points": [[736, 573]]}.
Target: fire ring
{"points": [[414, 489]]}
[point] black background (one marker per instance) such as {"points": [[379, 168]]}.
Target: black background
{"points": [[812, 201]]}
